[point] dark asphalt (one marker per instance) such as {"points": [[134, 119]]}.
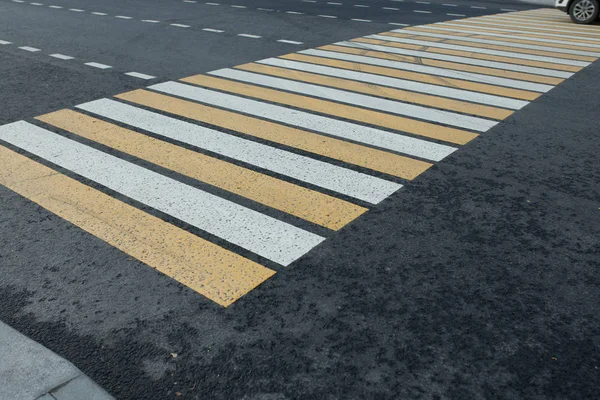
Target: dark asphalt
{"points": [[478, 280]]}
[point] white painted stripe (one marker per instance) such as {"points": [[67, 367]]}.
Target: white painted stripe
{"points": [[294, 12], [212, 30], [212, 4], [335, 4], [422, 2], [99, 13], [422, 12], [354, 184], [98, 65], [123, 17], [289, 41], [140, 75], [450, 5], [361, 100], [18, 1], [521, 56], [397, 23], [180, 25], [390, 8], [152, 21], [249, 36], [30, 49], [36, 4], [266, 236], [472, 76], [189, 1], [398, 83], [464, 60], [309, 1], [326, 16], [508, 9], [361, 20], [479, 7], [5, 42], [542, 40], [76, 9], [55, 7], [265, 9], [61, 56], [236, 6], [361, 5], [517, 32], [456, 15], [501, 43], [330, 126]]}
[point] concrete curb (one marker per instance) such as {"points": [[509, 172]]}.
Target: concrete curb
{"points": [[29, 371]]}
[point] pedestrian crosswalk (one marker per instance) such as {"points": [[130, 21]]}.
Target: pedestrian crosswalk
{"points": [[220, 179]]}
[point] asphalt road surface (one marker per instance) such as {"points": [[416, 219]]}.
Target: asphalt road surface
{"points": [[312, 200]]}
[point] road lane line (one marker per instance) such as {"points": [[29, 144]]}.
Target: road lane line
{"points": [[334, 127], [376, 85], [152, 21], [29, 49], [219, 274], [422, 11], [256, 232], [289, 41], [212, 30], [97, 65], [511, 64], [404, 71], [140, 75], [99, 13], [247, 35], [361, 100], [416, 127], [180, 25], [307, 204], [473, 49], [351, 153], [498, 43], [4, 42], [354, 184], [61, 56]]}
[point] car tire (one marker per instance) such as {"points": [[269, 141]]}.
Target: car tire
{"points": [[584, 11]]}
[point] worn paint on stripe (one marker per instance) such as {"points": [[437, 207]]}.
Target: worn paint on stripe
{"points": [[367, 157], [510, 44], [482, 34], [263, 235], [494, 71], [396, 48], [415, 82], [330, 126], [347, 80], [475, 48], [356, 99], [340, 110], [212, 271], [398, 54], [501, 93], [342, 180], [307, 204]]}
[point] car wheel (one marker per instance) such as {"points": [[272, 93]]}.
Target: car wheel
{"points": [[584, 11]]}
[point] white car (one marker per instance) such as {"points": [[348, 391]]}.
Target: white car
{"points": [[581, 11]]}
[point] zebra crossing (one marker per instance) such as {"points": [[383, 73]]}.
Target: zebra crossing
{"points": [[274, 156]]}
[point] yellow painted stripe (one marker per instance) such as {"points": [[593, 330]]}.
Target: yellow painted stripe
{"points": [[493, 47], [339, 110], [307, 204], [446, 64], [482, 35], [469, 54], [378, 160], [416, 76], [485, 29], [210, 270], [382, 91]]}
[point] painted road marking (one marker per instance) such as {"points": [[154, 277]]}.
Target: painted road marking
{"points": [[342, 129], [368, 106], [319, 173], [61, 56], [218, 274], [307, 204], [391, 68], [98, 65], [256, 232], [140, 75], [494, 70], [376, 85], [416, 127], [366, 157], [375, 103]]}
